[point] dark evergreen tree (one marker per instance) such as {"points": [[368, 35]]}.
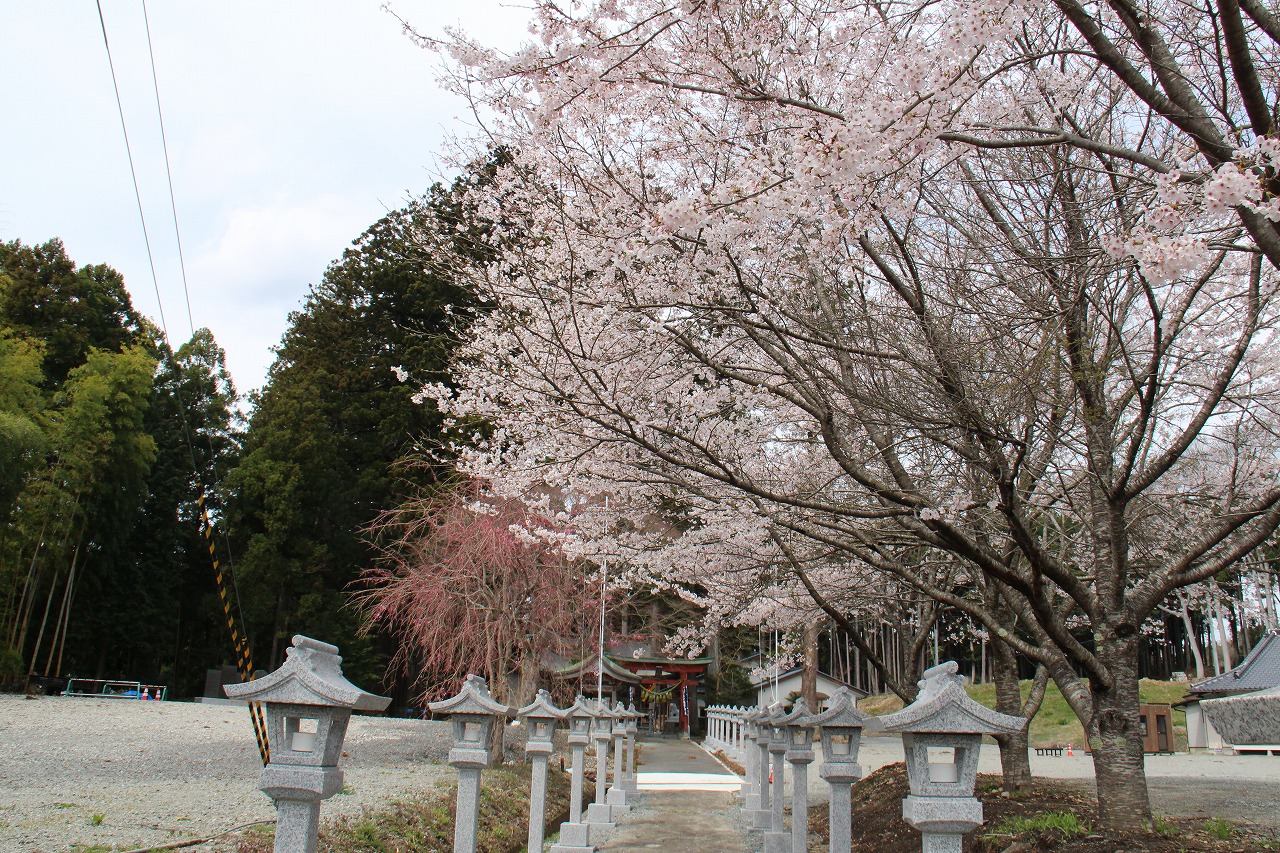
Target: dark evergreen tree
{"points": [[338, 412], [71, 309]]}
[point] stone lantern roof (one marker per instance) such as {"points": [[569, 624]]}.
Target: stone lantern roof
{"points": [[310, 675], [943, 707], [798, 716], [473, 698], [842, 711], [541, 707]]}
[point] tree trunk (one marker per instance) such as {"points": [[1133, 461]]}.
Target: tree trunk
{"points": [[1224, 640], [809, 675], [1185, 613], [64, 615], [1115, 737], [1015, 766], [44, 621], [14, 642]]}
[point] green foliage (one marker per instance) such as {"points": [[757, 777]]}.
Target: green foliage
{"points": [[22, 404], [1057, 724], [1064, 824], [1161, 826], [1219, 828], [96, 819], [71, 309], [97, 520], [11, 663], [731, 686]]}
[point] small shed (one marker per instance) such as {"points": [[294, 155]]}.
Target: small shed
{"points": [[1157, 727], [770, 689]]}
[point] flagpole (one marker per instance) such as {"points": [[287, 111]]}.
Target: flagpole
{"points": [[604, 581]]}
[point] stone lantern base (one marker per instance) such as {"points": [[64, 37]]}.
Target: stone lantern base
{"points": [[601, 814], [574, 838], [942, 821]]}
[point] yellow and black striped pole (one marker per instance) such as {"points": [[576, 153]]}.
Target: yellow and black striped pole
{"points": [[244, 661]]}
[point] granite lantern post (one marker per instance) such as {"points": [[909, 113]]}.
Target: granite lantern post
{"points": [[941, 736], [633, 727], [600, 813], [473, 714], [616, 796], [540, 718], [738, 751], [776, 838], [574, 833], [841, 726], [762, 816], [309, 704], [799, 755], [750, 788]]}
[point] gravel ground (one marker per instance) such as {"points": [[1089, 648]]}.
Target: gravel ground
{"points": [[163, 771], [159, 772]]}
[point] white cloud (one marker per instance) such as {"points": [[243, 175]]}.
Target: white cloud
{"points": [[291, 127], [244, 283]]}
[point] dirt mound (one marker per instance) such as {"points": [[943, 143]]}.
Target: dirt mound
{"points": [[1054, 815]]}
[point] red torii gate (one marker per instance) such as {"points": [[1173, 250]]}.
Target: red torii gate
{"points": [[683, 676]]}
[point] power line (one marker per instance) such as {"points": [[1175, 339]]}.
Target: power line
{"points": [[186, 292], [240, 641], [164, 142], [133, 173]]}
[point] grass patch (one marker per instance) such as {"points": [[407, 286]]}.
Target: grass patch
{"points": [[1063, 824], [97, 818], [1056, 724], [424, 823], [1223, 830]]}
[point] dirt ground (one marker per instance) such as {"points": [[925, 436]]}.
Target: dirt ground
{"points": [[1189, 811]]}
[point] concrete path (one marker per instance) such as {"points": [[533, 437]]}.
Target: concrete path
{"points": [[686, 804]]}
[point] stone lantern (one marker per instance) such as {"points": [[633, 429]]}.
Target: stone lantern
{"points": [[738, 750], [309, 704], [748, 790], [941, 735], [776, 838], [841, 726], [616, 796], [799, 754], [540, 718], [574, 833], [633, 727], [473, 714], [600, 813], [762, 814]]}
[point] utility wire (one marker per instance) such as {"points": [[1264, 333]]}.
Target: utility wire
{"points": [[164, 142], [186, 292], [241, 643], [137, 194]]}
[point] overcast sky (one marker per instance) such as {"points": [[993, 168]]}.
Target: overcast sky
{"points": [[292, 126]]}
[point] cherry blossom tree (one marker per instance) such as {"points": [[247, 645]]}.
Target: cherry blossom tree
{"points": [[467, 590], [982, 277]]}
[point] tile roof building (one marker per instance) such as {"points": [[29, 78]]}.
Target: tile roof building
{"points": [[1239, 710]]}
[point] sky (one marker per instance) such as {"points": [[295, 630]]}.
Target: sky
{"points": [[291, 125]]}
